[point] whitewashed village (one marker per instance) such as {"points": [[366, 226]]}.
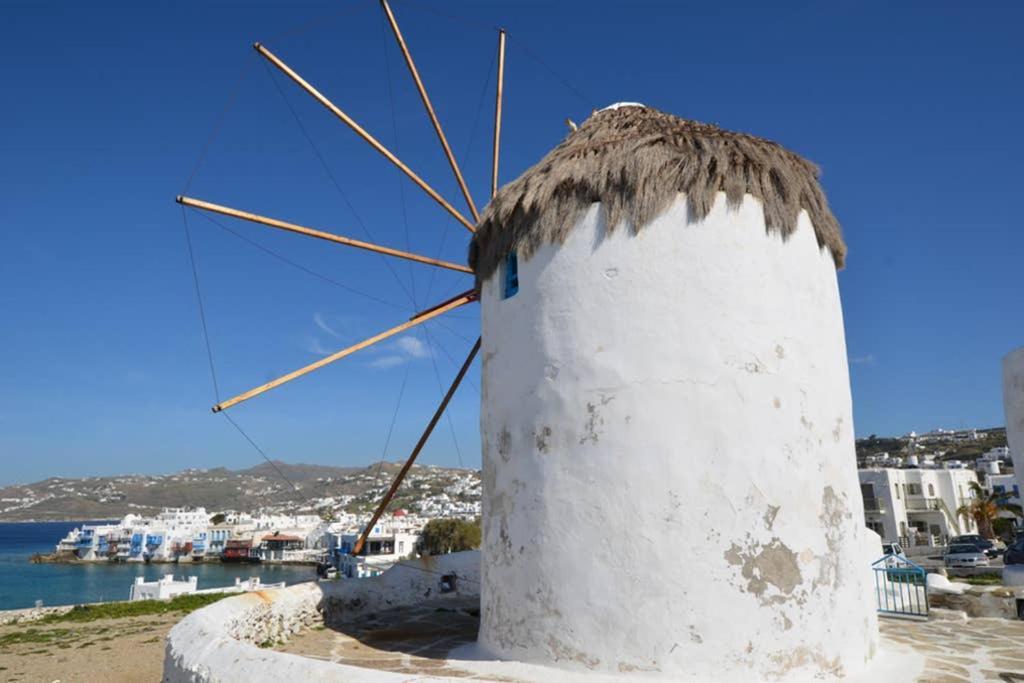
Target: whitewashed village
{"points": [[325, 536], [918, 498]]}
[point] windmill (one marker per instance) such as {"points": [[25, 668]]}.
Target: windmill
{"points": [[665, 368], [466, 297]]}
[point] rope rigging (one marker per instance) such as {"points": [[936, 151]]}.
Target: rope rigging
{"points": [[467, 149], [298, 266], [209, 349], [398, 175], [409, 287], [334, 181], [440, 388]]}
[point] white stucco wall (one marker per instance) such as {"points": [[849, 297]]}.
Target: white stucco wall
{"points": [[221, 642], [1013, 406], [668, 458]]}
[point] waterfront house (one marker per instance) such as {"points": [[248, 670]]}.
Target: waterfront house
{"points": [[199, 545], [390, 541], [240, 550], [278, 547], [219, 534]]}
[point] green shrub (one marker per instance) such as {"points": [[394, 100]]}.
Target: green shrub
{"points": [[119, 610]]}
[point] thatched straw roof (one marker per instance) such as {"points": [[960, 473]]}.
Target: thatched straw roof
{"points": [[635, 160]]}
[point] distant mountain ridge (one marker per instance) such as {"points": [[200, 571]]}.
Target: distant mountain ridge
{"points": [[321, 488]]}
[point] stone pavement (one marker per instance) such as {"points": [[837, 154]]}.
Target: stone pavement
{"points": [[956, 651], [410, 640], [417, 641]]}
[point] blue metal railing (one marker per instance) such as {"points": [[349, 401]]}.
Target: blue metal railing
{"points": [[901, 586]]}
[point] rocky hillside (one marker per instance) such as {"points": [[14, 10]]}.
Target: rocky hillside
{"points": [[302, 488], [962, 445]]}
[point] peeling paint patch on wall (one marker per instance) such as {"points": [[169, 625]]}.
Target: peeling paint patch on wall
{"points": [[762, 566]]}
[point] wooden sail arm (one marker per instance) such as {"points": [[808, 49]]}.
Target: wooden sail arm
{"points": [[497, 112], [474, 295], [319, 234], [358, 548], [361, 132], [462, 300], [430, 109]]}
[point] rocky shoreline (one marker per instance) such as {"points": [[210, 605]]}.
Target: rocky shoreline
{"points": [[29, 614], [71, 558]]}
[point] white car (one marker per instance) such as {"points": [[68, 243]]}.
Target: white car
{"points": [[893, 555], [965, 556]]}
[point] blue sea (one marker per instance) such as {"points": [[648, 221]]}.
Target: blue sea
{"points": [[22, 583]]}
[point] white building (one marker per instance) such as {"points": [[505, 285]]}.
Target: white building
{"points": [[392, 539], [164, 588], [917, 507], [999, 453], [668, 456], [1004, 484], [183, 533], [167, 587]]}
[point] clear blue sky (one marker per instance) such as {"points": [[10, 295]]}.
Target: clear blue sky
{"points": [[913, 112]]}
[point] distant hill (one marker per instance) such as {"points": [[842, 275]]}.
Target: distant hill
{"points": [[303, 487], [300, 471], [955, 446]]}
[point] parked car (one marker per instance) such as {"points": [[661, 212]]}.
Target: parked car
{"points": [[892, 549], [965, 555], [1015, 552], [983, 544]]}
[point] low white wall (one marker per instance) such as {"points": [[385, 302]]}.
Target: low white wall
{"points": [[221, 642], [975, 601]]}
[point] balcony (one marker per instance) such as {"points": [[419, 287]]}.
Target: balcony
{"points": [[923, 504], [874, 505]]}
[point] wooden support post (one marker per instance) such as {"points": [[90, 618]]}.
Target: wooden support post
{"points": [[453, 304], [430, 109], [497, 111], [319, 234], [416, 451], [347, 120]]}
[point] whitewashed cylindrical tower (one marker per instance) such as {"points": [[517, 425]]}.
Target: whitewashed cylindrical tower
{"points": [[668, 451]]}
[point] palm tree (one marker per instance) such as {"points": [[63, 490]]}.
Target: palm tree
{"points": [[985, 507]]}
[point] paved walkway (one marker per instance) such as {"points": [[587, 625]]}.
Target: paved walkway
{"points": [[956, 651], [417, 641], [413, 640]]}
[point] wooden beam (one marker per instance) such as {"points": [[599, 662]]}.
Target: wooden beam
{"points": [[430, 109], [497, 111], [474, 294], [319, 234], [347, 120], [455, 303], [416, 451]]}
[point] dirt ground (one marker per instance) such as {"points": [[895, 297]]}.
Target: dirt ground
{"points": [[127, 650]]}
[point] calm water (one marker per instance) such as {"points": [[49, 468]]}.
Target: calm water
{"points": [[22, 583]]}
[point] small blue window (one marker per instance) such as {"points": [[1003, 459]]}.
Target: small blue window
{"points": [[511, 275]]}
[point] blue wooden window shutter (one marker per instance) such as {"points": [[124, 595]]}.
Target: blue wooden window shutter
{"points": [[511, 275]]}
